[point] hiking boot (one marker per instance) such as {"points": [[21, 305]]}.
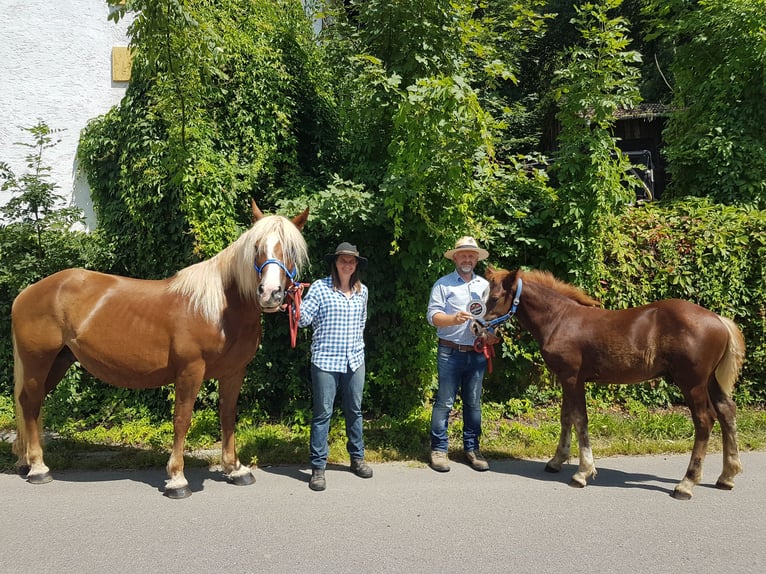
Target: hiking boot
{"points": [[477, 460], [439, 461], [317, 481], [361, 468]]}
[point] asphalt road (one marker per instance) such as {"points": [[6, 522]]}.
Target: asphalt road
{"points": [[515, 518]]}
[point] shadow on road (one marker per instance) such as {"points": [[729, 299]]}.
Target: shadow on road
{"points": [[529, 469], [198, 471], [606, 478]]}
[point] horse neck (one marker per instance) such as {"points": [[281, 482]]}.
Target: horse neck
{"points": [[242, 311], [541, 309]]}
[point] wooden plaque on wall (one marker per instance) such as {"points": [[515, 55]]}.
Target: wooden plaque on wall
{"points": [[121, 61]]}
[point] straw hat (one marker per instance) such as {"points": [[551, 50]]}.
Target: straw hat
{"points": [[346, 248], [466, 243]]}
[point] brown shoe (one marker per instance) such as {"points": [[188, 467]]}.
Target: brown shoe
{"points": [[439, 461], [477, 460]]}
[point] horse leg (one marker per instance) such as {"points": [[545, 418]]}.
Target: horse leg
{"points": [[703, 417], [565, 438], [562, 450], [28, 443], [579, 417], [587, 466], [233, 470], [187, 387], [726, 411], [30, 395]]}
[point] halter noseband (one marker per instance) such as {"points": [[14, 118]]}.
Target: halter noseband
{"points": [[291, 274]]}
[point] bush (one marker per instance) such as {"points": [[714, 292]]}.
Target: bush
{"points": [[36, 236]]}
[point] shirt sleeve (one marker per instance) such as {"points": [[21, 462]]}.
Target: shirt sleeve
{"points": [[310, 304], [436, 304]]}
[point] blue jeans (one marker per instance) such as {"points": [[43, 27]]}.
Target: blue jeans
{"points": [[464, 372], [324, 386]]}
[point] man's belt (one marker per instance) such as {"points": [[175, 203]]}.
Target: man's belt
{"points": [[451, 345]]}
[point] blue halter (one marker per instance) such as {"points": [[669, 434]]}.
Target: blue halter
{"points": [[497, 321], [293, 275]]}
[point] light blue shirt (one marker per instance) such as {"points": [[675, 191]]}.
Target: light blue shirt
{"points": [[337, 344], [451, 294]]}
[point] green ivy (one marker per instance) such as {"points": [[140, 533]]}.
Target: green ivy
{"points": [[593, 187], [226, 103], [715, 135]]}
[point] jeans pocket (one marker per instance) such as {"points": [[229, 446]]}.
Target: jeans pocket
{"points": [[444, 353]]}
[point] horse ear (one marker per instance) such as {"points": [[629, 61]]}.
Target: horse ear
{"points": [[510, 279], [300, 220], [257, 213], [489, 271]]}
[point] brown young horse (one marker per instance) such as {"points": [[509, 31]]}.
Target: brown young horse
{"points": [[202, 323], [701, 352]]}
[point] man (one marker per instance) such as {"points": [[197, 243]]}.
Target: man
{"points": [[460, 367]]}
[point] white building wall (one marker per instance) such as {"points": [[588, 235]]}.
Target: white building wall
{"points": [[56, 66]]}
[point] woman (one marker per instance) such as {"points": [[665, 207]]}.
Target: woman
{"points": [[336, 308]]}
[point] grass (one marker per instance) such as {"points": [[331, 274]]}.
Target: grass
{"points": [[530, 434]]}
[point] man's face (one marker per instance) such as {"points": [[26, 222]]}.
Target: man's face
{"points": [[466, 261]]}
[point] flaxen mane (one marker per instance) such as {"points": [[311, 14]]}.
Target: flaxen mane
{"points": [[205, 282], [548, 280]]}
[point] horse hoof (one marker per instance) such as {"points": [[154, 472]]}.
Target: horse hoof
{"points": [[43, 478], [241, 479], [724, 485], [178, 493], [551, 469], [576, 483], [681, 495]]}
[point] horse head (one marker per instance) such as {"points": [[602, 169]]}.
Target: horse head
{"points": [[501, 292], [278, 259], [500, 299]]}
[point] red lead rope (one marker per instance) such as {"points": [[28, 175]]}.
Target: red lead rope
{"points": [[482, 346], [293, 308]]}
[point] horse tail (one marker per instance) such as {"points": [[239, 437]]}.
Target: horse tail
{"points": [[727, 371], [19, 447]]}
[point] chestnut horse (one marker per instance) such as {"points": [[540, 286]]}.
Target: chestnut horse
{"points": [[699, 351], [202, 323]]}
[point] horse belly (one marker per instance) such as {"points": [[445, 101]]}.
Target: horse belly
{"points": [[126, 349], [123, 363], [626, 363]]}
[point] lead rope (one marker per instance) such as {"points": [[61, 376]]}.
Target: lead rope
{"points": [[293, 308], [480, 345]]}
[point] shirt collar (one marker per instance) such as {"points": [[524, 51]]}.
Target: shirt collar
{"points": [[461, 280]]}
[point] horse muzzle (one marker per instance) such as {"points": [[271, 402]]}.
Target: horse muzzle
{"points": [[477, 328], [271, 301]]}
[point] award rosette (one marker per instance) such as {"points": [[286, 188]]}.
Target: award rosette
{"points": [[476, 308]]}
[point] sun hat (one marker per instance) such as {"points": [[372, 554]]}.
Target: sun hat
{"points": [[346, 248], [467, 243]]}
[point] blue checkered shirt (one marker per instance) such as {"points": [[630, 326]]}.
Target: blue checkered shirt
{"points": [[338, 321]]}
